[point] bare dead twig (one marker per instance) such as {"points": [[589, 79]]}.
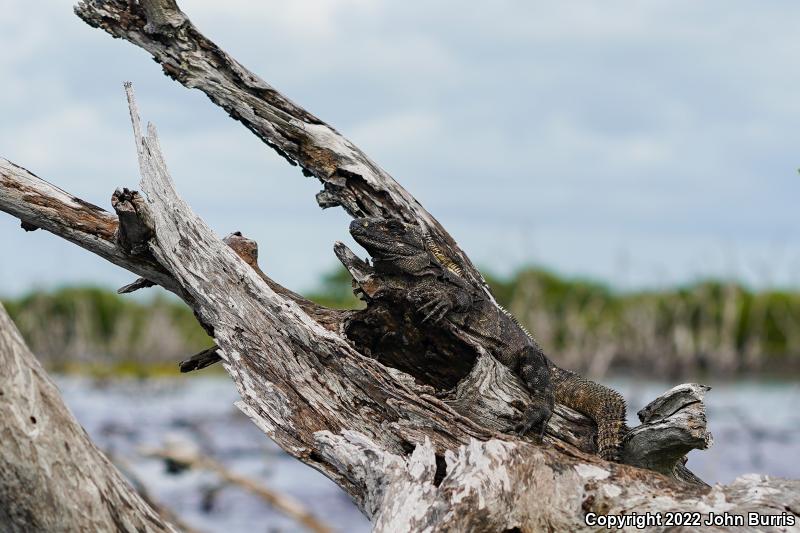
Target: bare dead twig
{"points": [[189, 458]]}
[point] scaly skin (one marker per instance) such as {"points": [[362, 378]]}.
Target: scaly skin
{"points": [[441, 292]]}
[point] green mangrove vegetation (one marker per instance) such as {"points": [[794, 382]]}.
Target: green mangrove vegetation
{"points": [[708, 327]]}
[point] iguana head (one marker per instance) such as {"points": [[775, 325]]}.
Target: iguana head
{"points": [[391, 242]]}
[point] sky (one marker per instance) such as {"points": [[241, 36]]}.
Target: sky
{"points": [[643, 144]]}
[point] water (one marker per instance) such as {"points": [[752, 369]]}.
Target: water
{"points": [[124, 417], [756, 427]]}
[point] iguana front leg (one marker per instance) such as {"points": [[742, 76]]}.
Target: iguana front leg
{"points": [[534, 369], [435, 300]]}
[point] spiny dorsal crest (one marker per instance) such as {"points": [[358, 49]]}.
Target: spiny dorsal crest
{"points": [[515, 321]]}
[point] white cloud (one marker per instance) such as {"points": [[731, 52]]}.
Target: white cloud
{"points": [[403, 131], [312, 19]]}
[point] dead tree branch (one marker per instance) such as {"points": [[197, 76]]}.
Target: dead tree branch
{"points": [[39, 204]]}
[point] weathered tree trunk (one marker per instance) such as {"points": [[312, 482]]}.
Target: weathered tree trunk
{"points": [[414, 455], [52, 478]]}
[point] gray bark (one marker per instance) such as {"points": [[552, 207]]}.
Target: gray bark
{"points": [[52, 478], [498, 486]]}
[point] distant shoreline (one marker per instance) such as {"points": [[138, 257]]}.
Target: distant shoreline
{"points": [[709, 329]]}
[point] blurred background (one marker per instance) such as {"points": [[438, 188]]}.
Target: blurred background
{"points": [[624, 174]]}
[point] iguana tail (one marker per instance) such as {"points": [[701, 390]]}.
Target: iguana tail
{"points": [[603, 405]]}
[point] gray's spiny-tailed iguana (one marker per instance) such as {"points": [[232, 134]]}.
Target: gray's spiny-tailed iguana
{"points": [[441, 292]]}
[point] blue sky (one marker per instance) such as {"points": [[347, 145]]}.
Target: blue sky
{"points": [[640, 143]]}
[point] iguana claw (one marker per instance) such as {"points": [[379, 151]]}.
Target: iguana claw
{"points": [[535, 416], [440, 308]]}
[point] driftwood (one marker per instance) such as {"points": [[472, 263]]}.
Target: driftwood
{"points": [[414, 455]]}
